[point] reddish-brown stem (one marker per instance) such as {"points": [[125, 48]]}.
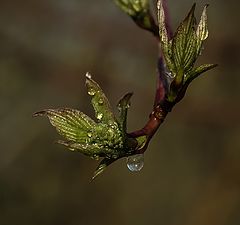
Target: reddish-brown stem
{"points": [[161, 106], [156, 118]]}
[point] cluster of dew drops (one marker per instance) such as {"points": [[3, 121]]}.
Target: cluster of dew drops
{"points": [[134, 163]]}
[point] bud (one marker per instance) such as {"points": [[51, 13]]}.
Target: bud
{"points": [[139, 11], [181, 52]]}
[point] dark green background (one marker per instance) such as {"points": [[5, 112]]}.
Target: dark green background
{"points": [[192, 167]]}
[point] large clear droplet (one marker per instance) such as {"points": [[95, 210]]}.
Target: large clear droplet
{"points": [[135, 163]]}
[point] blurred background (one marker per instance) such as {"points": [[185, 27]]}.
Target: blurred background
{"points": [[192, 167]]}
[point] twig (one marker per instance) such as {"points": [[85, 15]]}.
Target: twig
{"points": [[161, 107]]}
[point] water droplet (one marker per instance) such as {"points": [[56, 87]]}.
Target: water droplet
{"points": [[88, 75], [113, 125], [95, 156], [91, 92], [89, 135], [169, 75], [135, 163], [100, 101], [99, 116]]}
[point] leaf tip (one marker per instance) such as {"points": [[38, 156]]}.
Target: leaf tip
{"points": [[88, 75], [40, 113], [206, 5], [193, 8], [98, 171], [159, 4]]}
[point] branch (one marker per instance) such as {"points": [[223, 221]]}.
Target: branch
{"points": [[160, 106]]}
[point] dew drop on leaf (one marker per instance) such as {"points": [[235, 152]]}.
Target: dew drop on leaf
{"points": [[135, 163], [91, 92], [169, 75], [100, 101], [99, 116]]}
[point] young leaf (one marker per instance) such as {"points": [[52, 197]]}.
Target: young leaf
{"points": [[70, 123], [99, 101], [123, 106], [106, 138], [198, 71], [184, 44], [92, 150], [102, 166], [140, 12], [132, 7], [165, 42], [202, 30]]}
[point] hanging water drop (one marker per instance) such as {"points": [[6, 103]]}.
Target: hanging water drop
{"points": [[135, 163], [127, 106]]}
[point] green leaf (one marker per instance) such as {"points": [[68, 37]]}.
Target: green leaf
{"points": [[101, 139], [123, 107], [99, 101], [142, 141], [162, 24], [132, 7], [92, 150], [165, 42], [184, 45], [190, 77], [139, 11], [198, 71], [102, 166], [70, 123], [202, 29], [126, 7]]}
